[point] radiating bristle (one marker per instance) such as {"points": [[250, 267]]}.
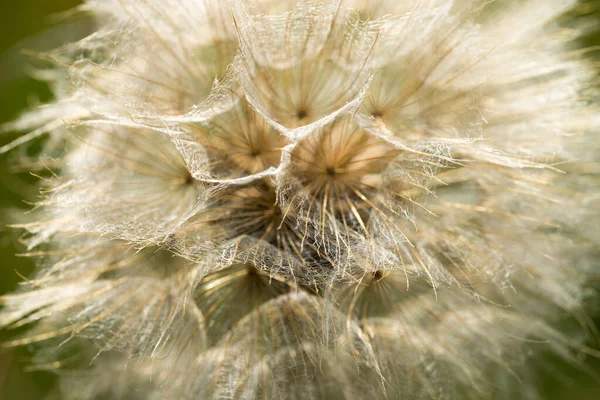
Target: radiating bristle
{"points": [[239, 141], [321, 199], [225, 297]]}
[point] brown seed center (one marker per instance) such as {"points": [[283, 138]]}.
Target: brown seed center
{"points": [[301, 114]]}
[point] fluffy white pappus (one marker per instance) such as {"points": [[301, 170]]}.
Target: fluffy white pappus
{"points": [[321, 199], [121, 298]]}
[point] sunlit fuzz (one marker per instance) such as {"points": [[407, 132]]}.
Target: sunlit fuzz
{"points": [[110, 376], [444, 339], [484, 215], [292, 352], [305, 370], [248, 211], [130, 192], [378, 294], [114, 374], [314, 199], [411, 113], [246, 224], [402, 320], [152, 57], [304, 65], [226, 296], [341, 169], [135, 294], [355, 194], [433, 82], [374, 9], [414, 95], [238, 141]]}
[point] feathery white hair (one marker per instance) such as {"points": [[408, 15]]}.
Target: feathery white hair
{"points": [[313, 200]]}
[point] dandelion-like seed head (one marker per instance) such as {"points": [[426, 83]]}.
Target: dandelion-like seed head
{"points": [[312, 199]]}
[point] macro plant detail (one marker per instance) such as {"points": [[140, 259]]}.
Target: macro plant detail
{"points": [[320, 199]]}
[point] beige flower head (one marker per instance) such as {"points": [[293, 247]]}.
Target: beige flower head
{"points": [[320, 199]]}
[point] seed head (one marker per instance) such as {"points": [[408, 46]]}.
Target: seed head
{"points": [[321, 199]]}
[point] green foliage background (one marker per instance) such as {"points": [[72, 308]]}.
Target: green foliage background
{"points": [[33, 24]]}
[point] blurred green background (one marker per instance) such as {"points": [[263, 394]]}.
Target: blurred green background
{"points": [[31, 24], [36, 24]]}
